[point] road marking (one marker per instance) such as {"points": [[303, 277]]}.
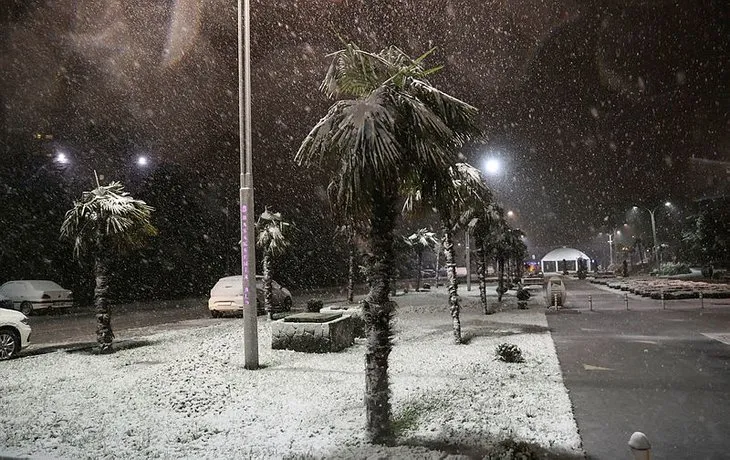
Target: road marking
{"points": [[723, 337], [588, 367], [645, 341], [590, 330]]}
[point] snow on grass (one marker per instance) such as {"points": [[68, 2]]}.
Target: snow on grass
{"points": [[186, 394]]}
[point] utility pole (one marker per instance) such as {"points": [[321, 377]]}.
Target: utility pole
{"points": [[610, 248]]}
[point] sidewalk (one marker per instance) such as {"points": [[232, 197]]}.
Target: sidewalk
{"points": [[662, 372]]}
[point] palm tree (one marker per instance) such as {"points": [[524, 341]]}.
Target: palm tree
{"points": [[388, 125], [480, 218], [106, 221], [450, 191], [271, 230], [420, 241], [508, 247]]}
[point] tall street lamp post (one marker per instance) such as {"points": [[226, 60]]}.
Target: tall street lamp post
{"points": [[651, 212], [248, 251], [467, 248]]}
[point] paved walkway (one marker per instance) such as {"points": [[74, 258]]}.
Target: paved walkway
{"points": [[662, 372]]}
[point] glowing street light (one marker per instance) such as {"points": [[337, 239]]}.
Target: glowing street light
{"points": [[142, 161], [61, 158], [493, 166], [510, 213]]}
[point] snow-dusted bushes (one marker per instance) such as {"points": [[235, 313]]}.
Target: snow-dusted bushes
{"points": [[671, 268], [509, 353]]}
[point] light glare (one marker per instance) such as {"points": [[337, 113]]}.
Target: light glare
{"points": [[492, 166]]}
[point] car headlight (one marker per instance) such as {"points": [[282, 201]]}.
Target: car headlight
{"points": [[25, 321]]}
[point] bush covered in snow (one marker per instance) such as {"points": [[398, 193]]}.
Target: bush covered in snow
{"points": [[671, 268], [510, 449], [314, 305], [509, 353]]}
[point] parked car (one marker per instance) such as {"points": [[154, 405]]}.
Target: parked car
{"points": [[14, 333], [31, 295], [227, 296], [428, 273], [6, 302]]}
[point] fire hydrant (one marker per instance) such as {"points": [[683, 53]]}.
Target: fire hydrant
{"points": [[640, 446]]}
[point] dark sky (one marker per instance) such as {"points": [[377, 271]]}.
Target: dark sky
{"points": [[591, 105]]}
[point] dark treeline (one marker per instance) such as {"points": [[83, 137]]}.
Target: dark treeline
{"points": [[196, 215]]}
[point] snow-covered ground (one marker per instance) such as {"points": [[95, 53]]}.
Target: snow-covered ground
{"points": [[185, 394]]}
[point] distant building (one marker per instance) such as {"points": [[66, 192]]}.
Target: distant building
{"points": [[554, 261]]}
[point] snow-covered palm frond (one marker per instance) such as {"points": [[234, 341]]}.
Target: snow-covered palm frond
{"points": [[357, 140], [110, 217], [394, 129], [272, 231], [422, 239]]}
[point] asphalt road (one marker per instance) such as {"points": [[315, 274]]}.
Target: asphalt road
{"points": [[79, 326], [647, 369]]}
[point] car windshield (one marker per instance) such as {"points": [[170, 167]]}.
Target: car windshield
{"points": [[494, 229]]}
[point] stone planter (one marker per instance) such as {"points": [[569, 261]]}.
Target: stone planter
{"points": [[312, 332], [354, 311]]}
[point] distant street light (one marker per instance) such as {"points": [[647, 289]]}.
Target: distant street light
{"points": [[61, 158], [142, 161], [510, 213]]}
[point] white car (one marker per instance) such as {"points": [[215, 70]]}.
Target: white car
{"points": [[14, 333], [31, 295], [227, 296]]}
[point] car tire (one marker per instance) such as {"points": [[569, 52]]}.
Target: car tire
{"points": [[26, 308], [287, 304], [9, 344], [215, 313]]}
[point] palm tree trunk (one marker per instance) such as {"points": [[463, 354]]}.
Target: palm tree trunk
{"points": [[500, 283], [438, 260], [351, 275], [420, 264], [378, 311], [448, 246], [487, 262], [482, 272], [104, 333], [266, 267]]}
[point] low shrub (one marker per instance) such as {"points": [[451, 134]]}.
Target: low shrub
{"points": [[509, 353], [523, 294], [510, 449], [671, 268], [314, 305]]}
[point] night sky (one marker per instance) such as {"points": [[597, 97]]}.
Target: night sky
{"points": [[592, 106]]}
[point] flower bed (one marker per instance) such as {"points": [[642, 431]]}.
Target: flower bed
{"points": [[672, 289]]}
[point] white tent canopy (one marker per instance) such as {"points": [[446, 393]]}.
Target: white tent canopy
{"points": [[553, 260]]}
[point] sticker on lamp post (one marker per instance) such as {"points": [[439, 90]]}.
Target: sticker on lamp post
{"points": [[244, 253]]}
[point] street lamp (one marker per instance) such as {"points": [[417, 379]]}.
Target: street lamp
{"points": [[61, 158], [492, 166], [142, 161], [653, 225], [248, 251]]}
